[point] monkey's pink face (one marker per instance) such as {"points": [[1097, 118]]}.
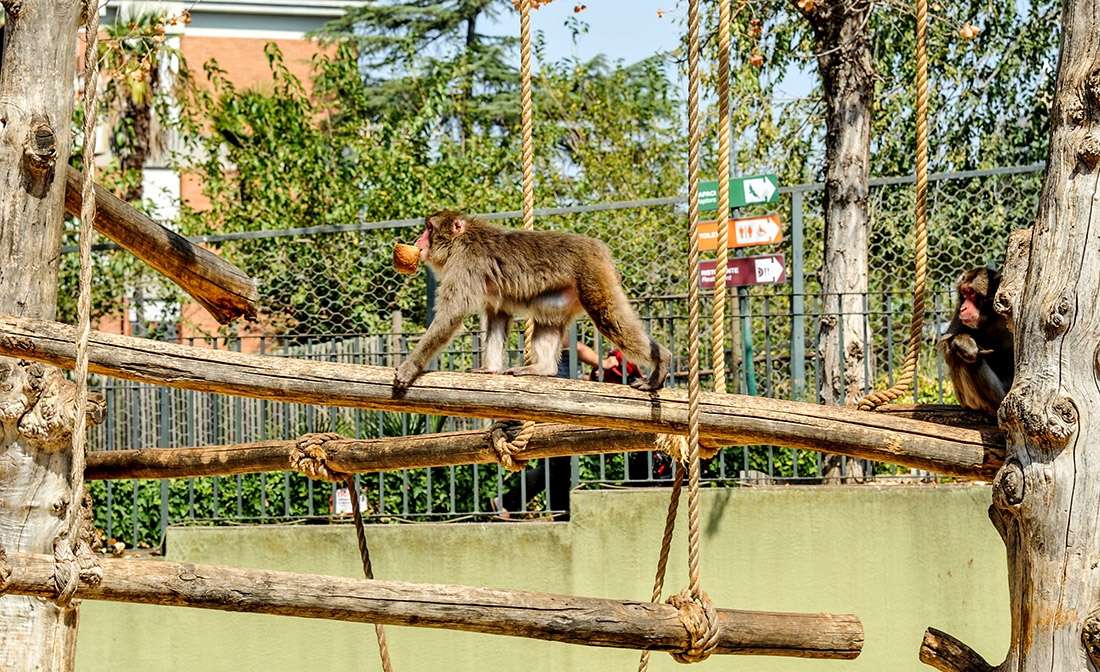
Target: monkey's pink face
{"points": [[424, 243], [969, 312]]}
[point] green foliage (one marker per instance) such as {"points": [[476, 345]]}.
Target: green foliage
{"points": [[428, 59], [990, 95]]}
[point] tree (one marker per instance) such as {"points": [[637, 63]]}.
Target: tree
{"points": [[135, 59], [430, 58], [36, 83]]}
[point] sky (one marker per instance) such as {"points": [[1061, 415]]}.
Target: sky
{"points": [[623, 29]]}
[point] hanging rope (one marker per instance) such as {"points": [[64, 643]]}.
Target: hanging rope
{"points": [[505, 449], [310, 457], [718, 354], [73, 558], [916, 325], [666, 546], [694, 607], [368, 571]]}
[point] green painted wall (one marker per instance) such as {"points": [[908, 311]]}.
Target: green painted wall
{"points": [[900, 557]]}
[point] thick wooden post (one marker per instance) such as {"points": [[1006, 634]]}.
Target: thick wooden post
{"points": [[36, 105], [1045, 497]]}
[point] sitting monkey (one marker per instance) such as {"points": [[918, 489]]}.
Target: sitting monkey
{"points": [[549, 276]]}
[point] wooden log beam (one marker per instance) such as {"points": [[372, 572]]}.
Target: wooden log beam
{"points": [[726, 419], [355, 456], [558, 618], [220, 287]]}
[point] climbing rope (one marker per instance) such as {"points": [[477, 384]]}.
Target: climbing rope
{"points": [[718, 333], [310, 457], [693, 606], [73, 559], [368, 571], [503, 448], [916, 325]]}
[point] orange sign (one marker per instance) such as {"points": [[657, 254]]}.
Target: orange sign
{"points": [[742, 232]]}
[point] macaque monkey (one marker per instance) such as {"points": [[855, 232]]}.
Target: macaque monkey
{"points": [[978, 345], [549, 276]]}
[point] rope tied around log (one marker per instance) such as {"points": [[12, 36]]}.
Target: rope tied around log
{"points": [[506, 450], [310, 457], [73, 557], [700, 619], [75, 561]]}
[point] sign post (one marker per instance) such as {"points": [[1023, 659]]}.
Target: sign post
{"points": [[753, 190]]}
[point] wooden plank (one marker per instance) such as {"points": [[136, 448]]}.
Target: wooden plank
{"points": [[353, 456], [726, 419], [559, 618], [220, 287]]}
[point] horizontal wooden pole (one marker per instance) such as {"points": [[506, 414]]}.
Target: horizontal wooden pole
{"points": [[355, 456], [220, 287], [726, 419], [558, 618]]}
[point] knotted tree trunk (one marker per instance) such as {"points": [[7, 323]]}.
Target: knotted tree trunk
{"points": [[36, 105], [1046, 498]]}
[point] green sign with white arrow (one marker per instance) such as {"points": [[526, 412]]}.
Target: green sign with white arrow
{"points": [[752, 190]]}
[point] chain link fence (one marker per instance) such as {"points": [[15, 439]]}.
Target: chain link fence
{"points": [[331, 294]]}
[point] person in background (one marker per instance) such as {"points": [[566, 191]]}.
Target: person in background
{"points": [[610, 370]]}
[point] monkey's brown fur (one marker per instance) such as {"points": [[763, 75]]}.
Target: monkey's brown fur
{"points": [[978, 346], [550, 276]]}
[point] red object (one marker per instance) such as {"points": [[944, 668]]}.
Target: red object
{"points": [[615, 373]]}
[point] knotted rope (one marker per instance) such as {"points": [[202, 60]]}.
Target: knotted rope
{"points": [[697, 614], [916, 325], [310, 457], [73, 558], [505, 449]]}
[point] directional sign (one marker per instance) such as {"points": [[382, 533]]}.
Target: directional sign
{"points": [[744, 191], [745, 232], [740, 272]]}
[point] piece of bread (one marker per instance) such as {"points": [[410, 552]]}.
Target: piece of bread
{"points": [[406, 258]]}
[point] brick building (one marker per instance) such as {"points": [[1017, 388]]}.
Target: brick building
{"points": [[234, 32]]}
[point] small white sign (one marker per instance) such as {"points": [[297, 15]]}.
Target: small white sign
{"points": [[341, 504]]}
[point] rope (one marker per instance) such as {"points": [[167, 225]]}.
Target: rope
{"points": [[693, 298], [718, 339], [68, 545], [368, 571], [504, 450], [310, 457], [666, 546], [916, 325]]}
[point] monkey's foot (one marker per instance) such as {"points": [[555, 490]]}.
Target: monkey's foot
{"points": [[529, 371], [404, 376]]}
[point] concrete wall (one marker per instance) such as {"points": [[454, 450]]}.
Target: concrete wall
{"points": [[900, 557]]}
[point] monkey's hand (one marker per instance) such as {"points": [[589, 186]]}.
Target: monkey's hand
{"points": [[966, 348], [405, 375]]}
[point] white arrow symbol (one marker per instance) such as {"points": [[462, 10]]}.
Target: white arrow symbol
{"points": [[759, 190], [757, 230], [768, 269]]}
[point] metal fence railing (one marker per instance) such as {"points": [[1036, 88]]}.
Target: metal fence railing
{"points": [[331, 295]]}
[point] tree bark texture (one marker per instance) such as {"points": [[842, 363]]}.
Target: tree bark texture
{"points": [[1045, 496], [727, 419], [36, 105], [220, 287], [559, 618], [842, 40]]}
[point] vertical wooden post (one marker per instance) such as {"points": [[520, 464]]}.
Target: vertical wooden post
{"points": [[36, 90], [1045, 497]]}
